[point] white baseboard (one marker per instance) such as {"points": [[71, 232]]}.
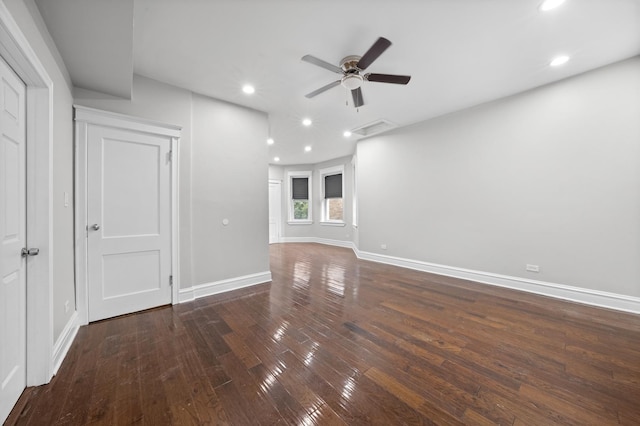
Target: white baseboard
{"points": [[62, 345], [575, 294], [208, 289], [585, 296], [326, 241]]}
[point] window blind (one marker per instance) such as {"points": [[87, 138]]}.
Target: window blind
{"points": [[333, 186], [300, 188]]}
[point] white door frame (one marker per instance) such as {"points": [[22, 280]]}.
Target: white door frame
{"points": [[279, 222], [85, 117], [17, 52]]}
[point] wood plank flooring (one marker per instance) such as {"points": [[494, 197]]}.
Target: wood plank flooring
{"points": [[334, 340]]}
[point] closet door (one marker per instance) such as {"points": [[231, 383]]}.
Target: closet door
{"points": [[129, 221], [12, 239]]}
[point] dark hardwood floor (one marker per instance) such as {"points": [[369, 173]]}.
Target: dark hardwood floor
{"points": [[334, 340]]}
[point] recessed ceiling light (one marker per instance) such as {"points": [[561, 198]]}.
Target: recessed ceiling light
{"points": [[550, 4], [307, 148], [559, 60], [347, 134], [276, 159], [270, 141], [248, 89], [307, 122]]}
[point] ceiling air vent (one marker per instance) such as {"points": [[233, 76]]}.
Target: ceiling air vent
{"points": [[374, 128]]}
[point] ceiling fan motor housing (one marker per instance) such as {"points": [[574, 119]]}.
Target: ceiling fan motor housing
{"points": [[349, 64], [352, 78]]}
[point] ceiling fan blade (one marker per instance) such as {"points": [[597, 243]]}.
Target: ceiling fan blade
{"points": [[323, 64], [388, 78], [358, 100], [323, 89], [374, 51]]}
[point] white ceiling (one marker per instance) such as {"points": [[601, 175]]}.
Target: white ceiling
{"points": [[95, 40], [460, 53]]}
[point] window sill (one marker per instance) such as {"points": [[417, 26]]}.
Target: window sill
{"points": [[332, 223], [300, 222]]}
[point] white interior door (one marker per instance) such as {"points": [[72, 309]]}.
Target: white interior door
{"points": [[12, 240], [275, 207], [129, 222]]}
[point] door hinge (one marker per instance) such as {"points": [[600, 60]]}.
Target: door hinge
{"points": [[170, 280], [169, 156]]}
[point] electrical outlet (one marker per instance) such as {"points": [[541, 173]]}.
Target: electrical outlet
{"points": [[66, 306], [533, 268], [383, 246]]}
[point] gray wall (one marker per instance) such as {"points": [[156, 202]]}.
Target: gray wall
{"points": [[223, 167], [276, 172], [229, 181], [62, 244], [549, 177]]}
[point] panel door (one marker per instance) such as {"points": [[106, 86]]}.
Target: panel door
{"points": [[12, 240], [128, 213], [274, 212]]}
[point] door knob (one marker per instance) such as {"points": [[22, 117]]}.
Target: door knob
{"points": [[95, 226], [29, 252]]}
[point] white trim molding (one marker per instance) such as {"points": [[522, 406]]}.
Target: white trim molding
{"points": [[559, 291], [122, 121], [275, 209], [222, 286], [175, 220], [62, 345], [354, 190], [85, 117], [585, 296], [18, 53], [325, 241]]}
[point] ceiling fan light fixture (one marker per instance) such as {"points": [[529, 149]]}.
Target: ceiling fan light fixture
{"points": [[352, 81]]}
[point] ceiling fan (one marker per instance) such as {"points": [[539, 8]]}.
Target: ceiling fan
{"points": [[350, 68]]}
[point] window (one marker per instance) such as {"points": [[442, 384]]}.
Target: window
{"points": [[300, 198], [334, 209], [332, 191]]}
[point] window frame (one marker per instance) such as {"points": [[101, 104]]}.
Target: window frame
{"points": [[299, 174], [330, 171]]}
